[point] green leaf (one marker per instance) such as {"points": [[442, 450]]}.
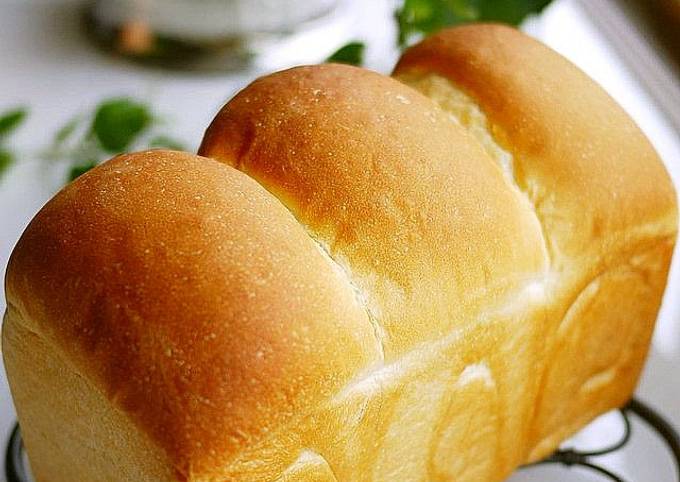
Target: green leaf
{"points": [[118, 122], [510, 12], [12, 119], [66, 130], [80, 169], [423, 17], [6, 160], [166, 142], [351, 53]]}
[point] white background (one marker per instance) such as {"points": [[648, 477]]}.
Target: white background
{"points": [[46, 63]]}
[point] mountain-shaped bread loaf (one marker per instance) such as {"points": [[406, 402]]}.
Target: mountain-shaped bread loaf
{"points": [[432, 277]]}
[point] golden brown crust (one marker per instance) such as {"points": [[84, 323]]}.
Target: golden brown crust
{"points": [[397, 192], [194, 300], [584, 162]]}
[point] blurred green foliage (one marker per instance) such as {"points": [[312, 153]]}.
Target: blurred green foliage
{"points": [[117, 122], [417, 18], [166, 142], [351, 53], [9, 122], [78, 170], [6, 160], [116, 125]]}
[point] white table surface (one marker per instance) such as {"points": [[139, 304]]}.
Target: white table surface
{"points": [[46, 64]]}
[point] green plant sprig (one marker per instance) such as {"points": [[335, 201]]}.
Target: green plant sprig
{"points": [[351, 53], [116, 125], [419, 18], [10, 121]]}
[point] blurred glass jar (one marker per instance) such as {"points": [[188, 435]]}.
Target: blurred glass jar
{"points": [[200, 34]]}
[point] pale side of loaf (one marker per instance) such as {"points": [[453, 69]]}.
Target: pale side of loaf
{"points": [[605, 203], [394, 288]]}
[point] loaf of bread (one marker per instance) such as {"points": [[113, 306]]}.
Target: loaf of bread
{"points": [[433, 277]]}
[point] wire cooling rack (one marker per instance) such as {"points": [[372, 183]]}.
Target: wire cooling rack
{"points": [[17, 471], [569, 457]]}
